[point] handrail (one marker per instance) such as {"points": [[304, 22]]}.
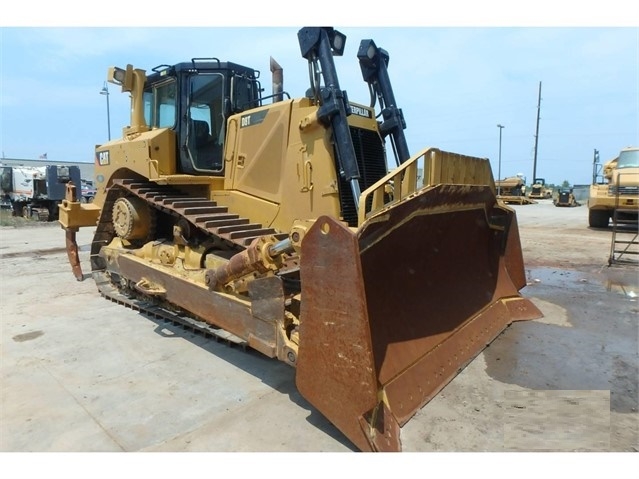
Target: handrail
{"points": [[436, 167]]}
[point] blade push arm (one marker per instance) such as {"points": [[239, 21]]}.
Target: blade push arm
{"points": [[319, 44], [373, 62]]}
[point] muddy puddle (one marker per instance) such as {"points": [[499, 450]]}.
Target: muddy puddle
{"points": [[622, 281], [587, 339]]}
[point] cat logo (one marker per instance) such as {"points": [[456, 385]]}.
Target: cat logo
{"points": [[102, 157]]}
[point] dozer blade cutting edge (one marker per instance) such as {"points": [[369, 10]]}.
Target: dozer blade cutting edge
{"points": [[393, 311]]}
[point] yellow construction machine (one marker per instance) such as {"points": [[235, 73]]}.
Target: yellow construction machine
{"points": [[512, 190], [614, 192], [277, 223], [539, 191], [565, 197]]}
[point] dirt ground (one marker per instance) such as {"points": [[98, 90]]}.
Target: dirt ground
{"points": [[81, 374]]}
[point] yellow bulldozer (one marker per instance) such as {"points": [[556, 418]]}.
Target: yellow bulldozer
{"points": [[279, 224], [539, 191]]}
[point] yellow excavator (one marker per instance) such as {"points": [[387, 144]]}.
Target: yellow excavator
{"points": [[278, 223]]}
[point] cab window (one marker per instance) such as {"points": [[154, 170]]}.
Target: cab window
{"points": [[205, 135], [160, 105]]}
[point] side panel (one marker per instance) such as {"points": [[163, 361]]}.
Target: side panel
{"points": [[149, 154], [270, 159], [262, 143]]}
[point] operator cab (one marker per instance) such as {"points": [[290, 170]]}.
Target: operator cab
{"points": [[195, 99]]}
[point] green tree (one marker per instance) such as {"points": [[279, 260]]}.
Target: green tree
{"points": [[565, 184]]}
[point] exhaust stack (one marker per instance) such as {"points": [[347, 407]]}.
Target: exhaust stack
{"points": [[278, 80]]}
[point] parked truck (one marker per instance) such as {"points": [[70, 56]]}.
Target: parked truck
{"points": [[36, 191], [615, 188], [512, 190], [511, 186]]}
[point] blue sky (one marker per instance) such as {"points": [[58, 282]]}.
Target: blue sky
{"points": [[455, 78]]}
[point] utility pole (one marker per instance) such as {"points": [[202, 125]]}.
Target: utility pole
{"points": [[536, 136], [499, 167]]}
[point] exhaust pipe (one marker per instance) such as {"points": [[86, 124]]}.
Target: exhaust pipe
{"points": [[278, 80]]}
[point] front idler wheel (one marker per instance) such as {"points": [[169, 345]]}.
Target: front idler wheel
{"points": [[131, 218]]}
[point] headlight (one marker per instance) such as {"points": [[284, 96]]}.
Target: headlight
{"points": [[338, 42]]}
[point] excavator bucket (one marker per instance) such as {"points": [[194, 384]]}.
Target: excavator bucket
{"points": [[394, 310]]}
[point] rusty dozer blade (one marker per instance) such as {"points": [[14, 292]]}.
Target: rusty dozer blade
{"points": [[392, 312]]}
